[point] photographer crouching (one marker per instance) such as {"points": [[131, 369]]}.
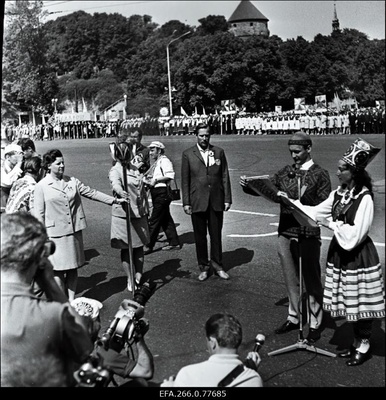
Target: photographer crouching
{"points": [[224, 368], [121, 350]]}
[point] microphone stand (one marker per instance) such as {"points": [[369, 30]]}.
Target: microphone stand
{"points": [[301, 344]]}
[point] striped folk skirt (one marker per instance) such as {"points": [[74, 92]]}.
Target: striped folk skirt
{"points": [[354, 287]]}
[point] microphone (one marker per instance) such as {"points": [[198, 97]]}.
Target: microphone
{"points": [[259, 341]]}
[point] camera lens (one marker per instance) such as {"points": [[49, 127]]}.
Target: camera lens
{"points": [[143, 294]]}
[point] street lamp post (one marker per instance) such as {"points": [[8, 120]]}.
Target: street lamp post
{"points": [[54, 101], [124, 107], [169, 78]]}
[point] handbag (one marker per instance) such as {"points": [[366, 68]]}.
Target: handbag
{"points": [[173, 194]]}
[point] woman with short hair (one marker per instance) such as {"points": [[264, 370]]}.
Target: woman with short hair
{"points": [[58, 204]]}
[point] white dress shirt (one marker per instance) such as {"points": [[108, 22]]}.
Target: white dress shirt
{"points": [[204, 154]]}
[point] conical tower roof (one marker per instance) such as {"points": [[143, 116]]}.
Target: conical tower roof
{"points": [[246, 11]]}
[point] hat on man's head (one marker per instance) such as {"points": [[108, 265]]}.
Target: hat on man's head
{"points": [[12, 147], [360, 154], [300, 139], [156, 144]]}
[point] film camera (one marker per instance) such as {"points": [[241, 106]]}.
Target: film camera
{"points": [[127, 320], [127, 323]]}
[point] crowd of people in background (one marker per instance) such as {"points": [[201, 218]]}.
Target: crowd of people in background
{"points": [[330, 122], [61, 130], [360, 121]]}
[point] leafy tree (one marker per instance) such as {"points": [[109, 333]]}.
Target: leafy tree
{"points": [[100, 91], [143, 103], [27, 77], [212, 24], [173, 28], [102, 56], [80, 42], [369, 84]]}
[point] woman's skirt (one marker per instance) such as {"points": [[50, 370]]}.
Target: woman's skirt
{"points": [[354, 287], [69, 252], [139, 229]]}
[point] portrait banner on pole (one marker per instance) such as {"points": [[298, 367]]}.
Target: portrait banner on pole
{"points": [[299, 103], [321, 101], [228, 105]]}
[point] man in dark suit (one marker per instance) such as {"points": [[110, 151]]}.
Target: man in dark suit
{"points": [[141, 152], [352, 116], [206, 194]]}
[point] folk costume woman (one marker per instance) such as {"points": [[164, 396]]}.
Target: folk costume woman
{"points": [[354, 287]]}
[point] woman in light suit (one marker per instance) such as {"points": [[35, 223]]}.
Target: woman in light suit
{"points": [[58, 204], [139, 211]]}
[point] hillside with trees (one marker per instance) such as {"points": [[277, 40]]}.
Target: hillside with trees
{"points": [[101, 57]]}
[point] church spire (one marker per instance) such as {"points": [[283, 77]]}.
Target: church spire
{"points": [[335, 21]]}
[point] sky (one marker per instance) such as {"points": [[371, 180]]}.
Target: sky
{"points": [[287, 19]]}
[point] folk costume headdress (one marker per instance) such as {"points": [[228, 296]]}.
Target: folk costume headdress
{"points": [[360, 154]]}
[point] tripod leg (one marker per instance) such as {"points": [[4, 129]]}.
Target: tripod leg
{"points": [[320, 351], [301, 344], [284, 350]]}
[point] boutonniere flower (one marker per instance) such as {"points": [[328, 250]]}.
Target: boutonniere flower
{"points": [[210, 158]]}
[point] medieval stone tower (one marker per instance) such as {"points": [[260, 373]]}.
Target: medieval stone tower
{"points": [[247, 21]]}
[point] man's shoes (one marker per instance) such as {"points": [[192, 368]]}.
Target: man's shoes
{"points": [[347, 353], [313, 335], [288, 326], [167, 248], [203, 276], [222, 275], [358, 358], [147, 250]]}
